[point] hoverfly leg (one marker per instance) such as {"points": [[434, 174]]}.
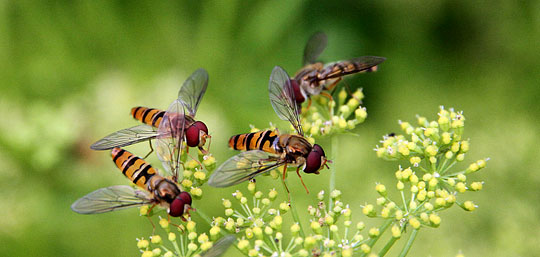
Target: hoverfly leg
{"points": [[148, 214], [333, 85], [151, 149], [301, 180], [308, 103]]}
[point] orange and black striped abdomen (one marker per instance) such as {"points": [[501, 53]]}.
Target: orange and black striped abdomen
{"points": [[149, 116], [134, 168], [261, 140]]}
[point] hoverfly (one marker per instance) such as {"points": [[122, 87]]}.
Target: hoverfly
{"points": [[168, 123], [157, 190], [315, 77], [267, 150]]}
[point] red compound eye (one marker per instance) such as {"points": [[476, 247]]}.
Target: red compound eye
{"points": [[313, 162], [193, 133], [186, 197], [177, 207], [318, 148], [299, 97]]}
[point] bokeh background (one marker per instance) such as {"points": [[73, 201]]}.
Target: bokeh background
{"points": [[71, 70]]}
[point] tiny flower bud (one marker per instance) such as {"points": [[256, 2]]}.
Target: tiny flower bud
{"points": [[243, 200], [284, 206], [335, 194], [272, 194], [469, 206], [168, 254], [396, 231], [424, 216], [147, 254], [186, 183], [381, 201], [143, 211], [199, 175], [435, 220], [143, 244], [460, 157], [373, 232], [190, 226], [460, 187], [155, 239], [400, 185], [192, 236], [476, 186], [415, 161], [365, 248], [171, 236], [360, 226], [243, 244], [196, 192], [399, 215], [163, 223], [368, 210], [414, 223], [381, 189]]}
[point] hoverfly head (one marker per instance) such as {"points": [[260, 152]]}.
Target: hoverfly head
{"points": [[180, 204], [196, 134], [315, 160]]}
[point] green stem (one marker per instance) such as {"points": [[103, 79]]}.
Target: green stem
{"points": [[409, 244], [383, 228], [387, 246], [293, 211], [332, 185]]}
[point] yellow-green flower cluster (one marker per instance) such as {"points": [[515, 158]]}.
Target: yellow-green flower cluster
{"points": [[265, 231], [196, 172], [332, 231], [431, 184], [325, 117], [178, 240], [256, 214]]}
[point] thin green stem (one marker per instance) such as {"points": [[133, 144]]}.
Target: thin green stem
{"points": [[387, 246], [332, 185], [408, 246], [293, 211], [382, 228]]}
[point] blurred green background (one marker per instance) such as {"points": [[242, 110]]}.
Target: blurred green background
{"points": [[71, 70]]}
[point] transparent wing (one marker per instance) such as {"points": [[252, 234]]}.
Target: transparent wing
{"points": [[170, 138], [111, 199], [242, 167], [125, 137], [314, 47], [356, 65], [193, 90], [220, 247], [283, 99]]}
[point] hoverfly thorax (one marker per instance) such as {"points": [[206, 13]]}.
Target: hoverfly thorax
{"points": [[165, 190], [196, 134]]}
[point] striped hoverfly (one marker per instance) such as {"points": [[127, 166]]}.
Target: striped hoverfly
{"points": [[315, 77], [173, 123], [267, 150], [156, 190]]}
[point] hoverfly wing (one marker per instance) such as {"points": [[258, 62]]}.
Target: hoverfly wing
{"points": [[314, 47], [283, 99], [125, 137], [193, 90], [110, 199], [243, 167], [220, 247], [171, 136], [356, 65]]}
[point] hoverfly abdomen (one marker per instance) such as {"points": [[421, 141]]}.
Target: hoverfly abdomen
{"points": [[260, 140], [149, 116], [134, 168]]}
